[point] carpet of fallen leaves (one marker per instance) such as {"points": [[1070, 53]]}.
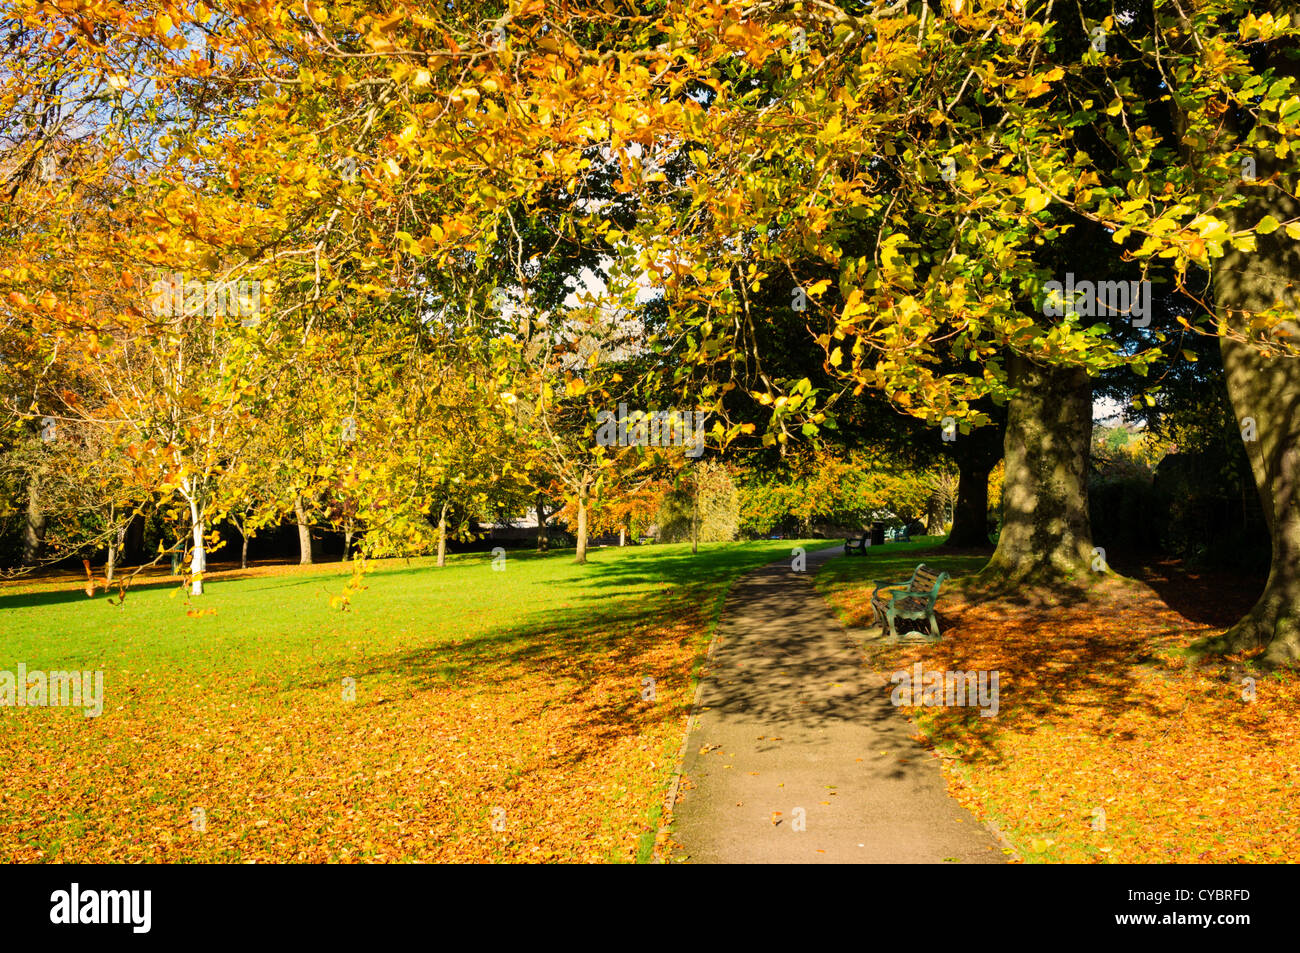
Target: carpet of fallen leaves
{"points": [[536, 747], [1103, 710], [557, 757]]}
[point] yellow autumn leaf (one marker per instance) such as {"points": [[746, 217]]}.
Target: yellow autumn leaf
{"points": [[1035, 200], [854, 306]]}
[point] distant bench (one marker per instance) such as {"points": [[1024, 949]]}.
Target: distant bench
{"points": [[859, 544], [915, 599]]}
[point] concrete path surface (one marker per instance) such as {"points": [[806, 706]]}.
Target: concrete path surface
{"points": [[795, 731]]}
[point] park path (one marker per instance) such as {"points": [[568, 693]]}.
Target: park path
{"points": [[791, 718]]}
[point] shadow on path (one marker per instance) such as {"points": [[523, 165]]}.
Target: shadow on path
{"points": [[794, 731]]}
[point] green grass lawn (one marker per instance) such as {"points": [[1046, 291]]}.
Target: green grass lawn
{"points": [[512, 697]]}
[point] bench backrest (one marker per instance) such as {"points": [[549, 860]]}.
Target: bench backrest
{"points": [[926, 581]]}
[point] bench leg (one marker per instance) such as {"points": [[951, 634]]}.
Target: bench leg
{"points": [[934, 627]]}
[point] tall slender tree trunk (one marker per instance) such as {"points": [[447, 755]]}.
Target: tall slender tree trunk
{"points": [[34, 525], [442, 536], [1045, 534], [1267, 391], [304, 532], [695, 516], [543, 534], [243, 551], [198, 556], [347, 542], [115, 547], [583, 488]]}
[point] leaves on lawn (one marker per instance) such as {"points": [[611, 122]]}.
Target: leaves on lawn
{"points": [[1102, 708]]}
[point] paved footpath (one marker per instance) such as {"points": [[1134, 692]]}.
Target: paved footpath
{"points": [[791, 718]]}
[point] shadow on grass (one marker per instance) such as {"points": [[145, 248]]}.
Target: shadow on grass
{"points": [[611, 634]]}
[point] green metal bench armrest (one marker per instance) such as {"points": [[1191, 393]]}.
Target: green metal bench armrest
{"points": [[891, 585]]}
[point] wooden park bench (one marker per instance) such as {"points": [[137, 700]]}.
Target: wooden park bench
{"points": [[915, 599], [857, 544]]}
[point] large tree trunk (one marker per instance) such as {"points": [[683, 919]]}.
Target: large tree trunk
{"points": [[582, 520], [304, 532], [442, 536], [34, 525], [975, 454], [970, 514], [1266, 390], [1046, 536], [935, 511]]}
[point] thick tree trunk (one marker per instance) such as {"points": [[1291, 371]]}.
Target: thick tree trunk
{"points": [[1045, 530], [934, 514], [582, 520], [1266, 389], [970, 514], [304, 532], [34, 526], [975, 454], [442, 536]]}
